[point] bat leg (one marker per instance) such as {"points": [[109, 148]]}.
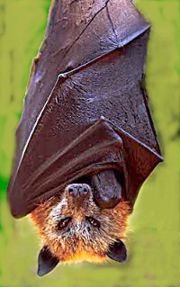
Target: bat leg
{"points": [[106, 188]]}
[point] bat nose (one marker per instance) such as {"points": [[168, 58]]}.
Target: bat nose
{"points": [[78, 191]]}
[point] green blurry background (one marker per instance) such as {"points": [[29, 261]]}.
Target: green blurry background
{"points": [[154, 236]]}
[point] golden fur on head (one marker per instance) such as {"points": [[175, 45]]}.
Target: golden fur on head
{"points": [[79, 240]]}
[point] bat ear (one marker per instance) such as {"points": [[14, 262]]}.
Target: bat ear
{"points": [[117, 251], [46, 261]]}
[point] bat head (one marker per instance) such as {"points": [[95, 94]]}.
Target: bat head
{"points": [[74, 229]]}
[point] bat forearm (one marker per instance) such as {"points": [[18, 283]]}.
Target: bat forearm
{"points": [[107, 189]]}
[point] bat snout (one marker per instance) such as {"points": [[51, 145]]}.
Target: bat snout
{"points": [[78, 191]]}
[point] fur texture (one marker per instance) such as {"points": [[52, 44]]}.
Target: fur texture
{"points": [[80, 240]]}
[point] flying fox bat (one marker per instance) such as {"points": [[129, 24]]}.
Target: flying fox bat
{"points": [[86, 141]]}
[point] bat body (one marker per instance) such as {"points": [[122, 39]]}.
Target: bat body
{"points": [[86, 127]]}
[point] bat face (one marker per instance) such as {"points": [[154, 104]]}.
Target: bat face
{"points": [[75, 229]]}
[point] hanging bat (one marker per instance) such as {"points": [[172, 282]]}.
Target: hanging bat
{"points": [[86, 141]]}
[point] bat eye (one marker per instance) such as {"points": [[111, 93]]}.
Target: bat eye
{"points": [[63, 223], [93, 221]]}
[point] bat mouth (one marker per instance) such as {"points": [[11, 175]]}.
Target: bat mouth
{"points": [[106, 188], [84, 180]]}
